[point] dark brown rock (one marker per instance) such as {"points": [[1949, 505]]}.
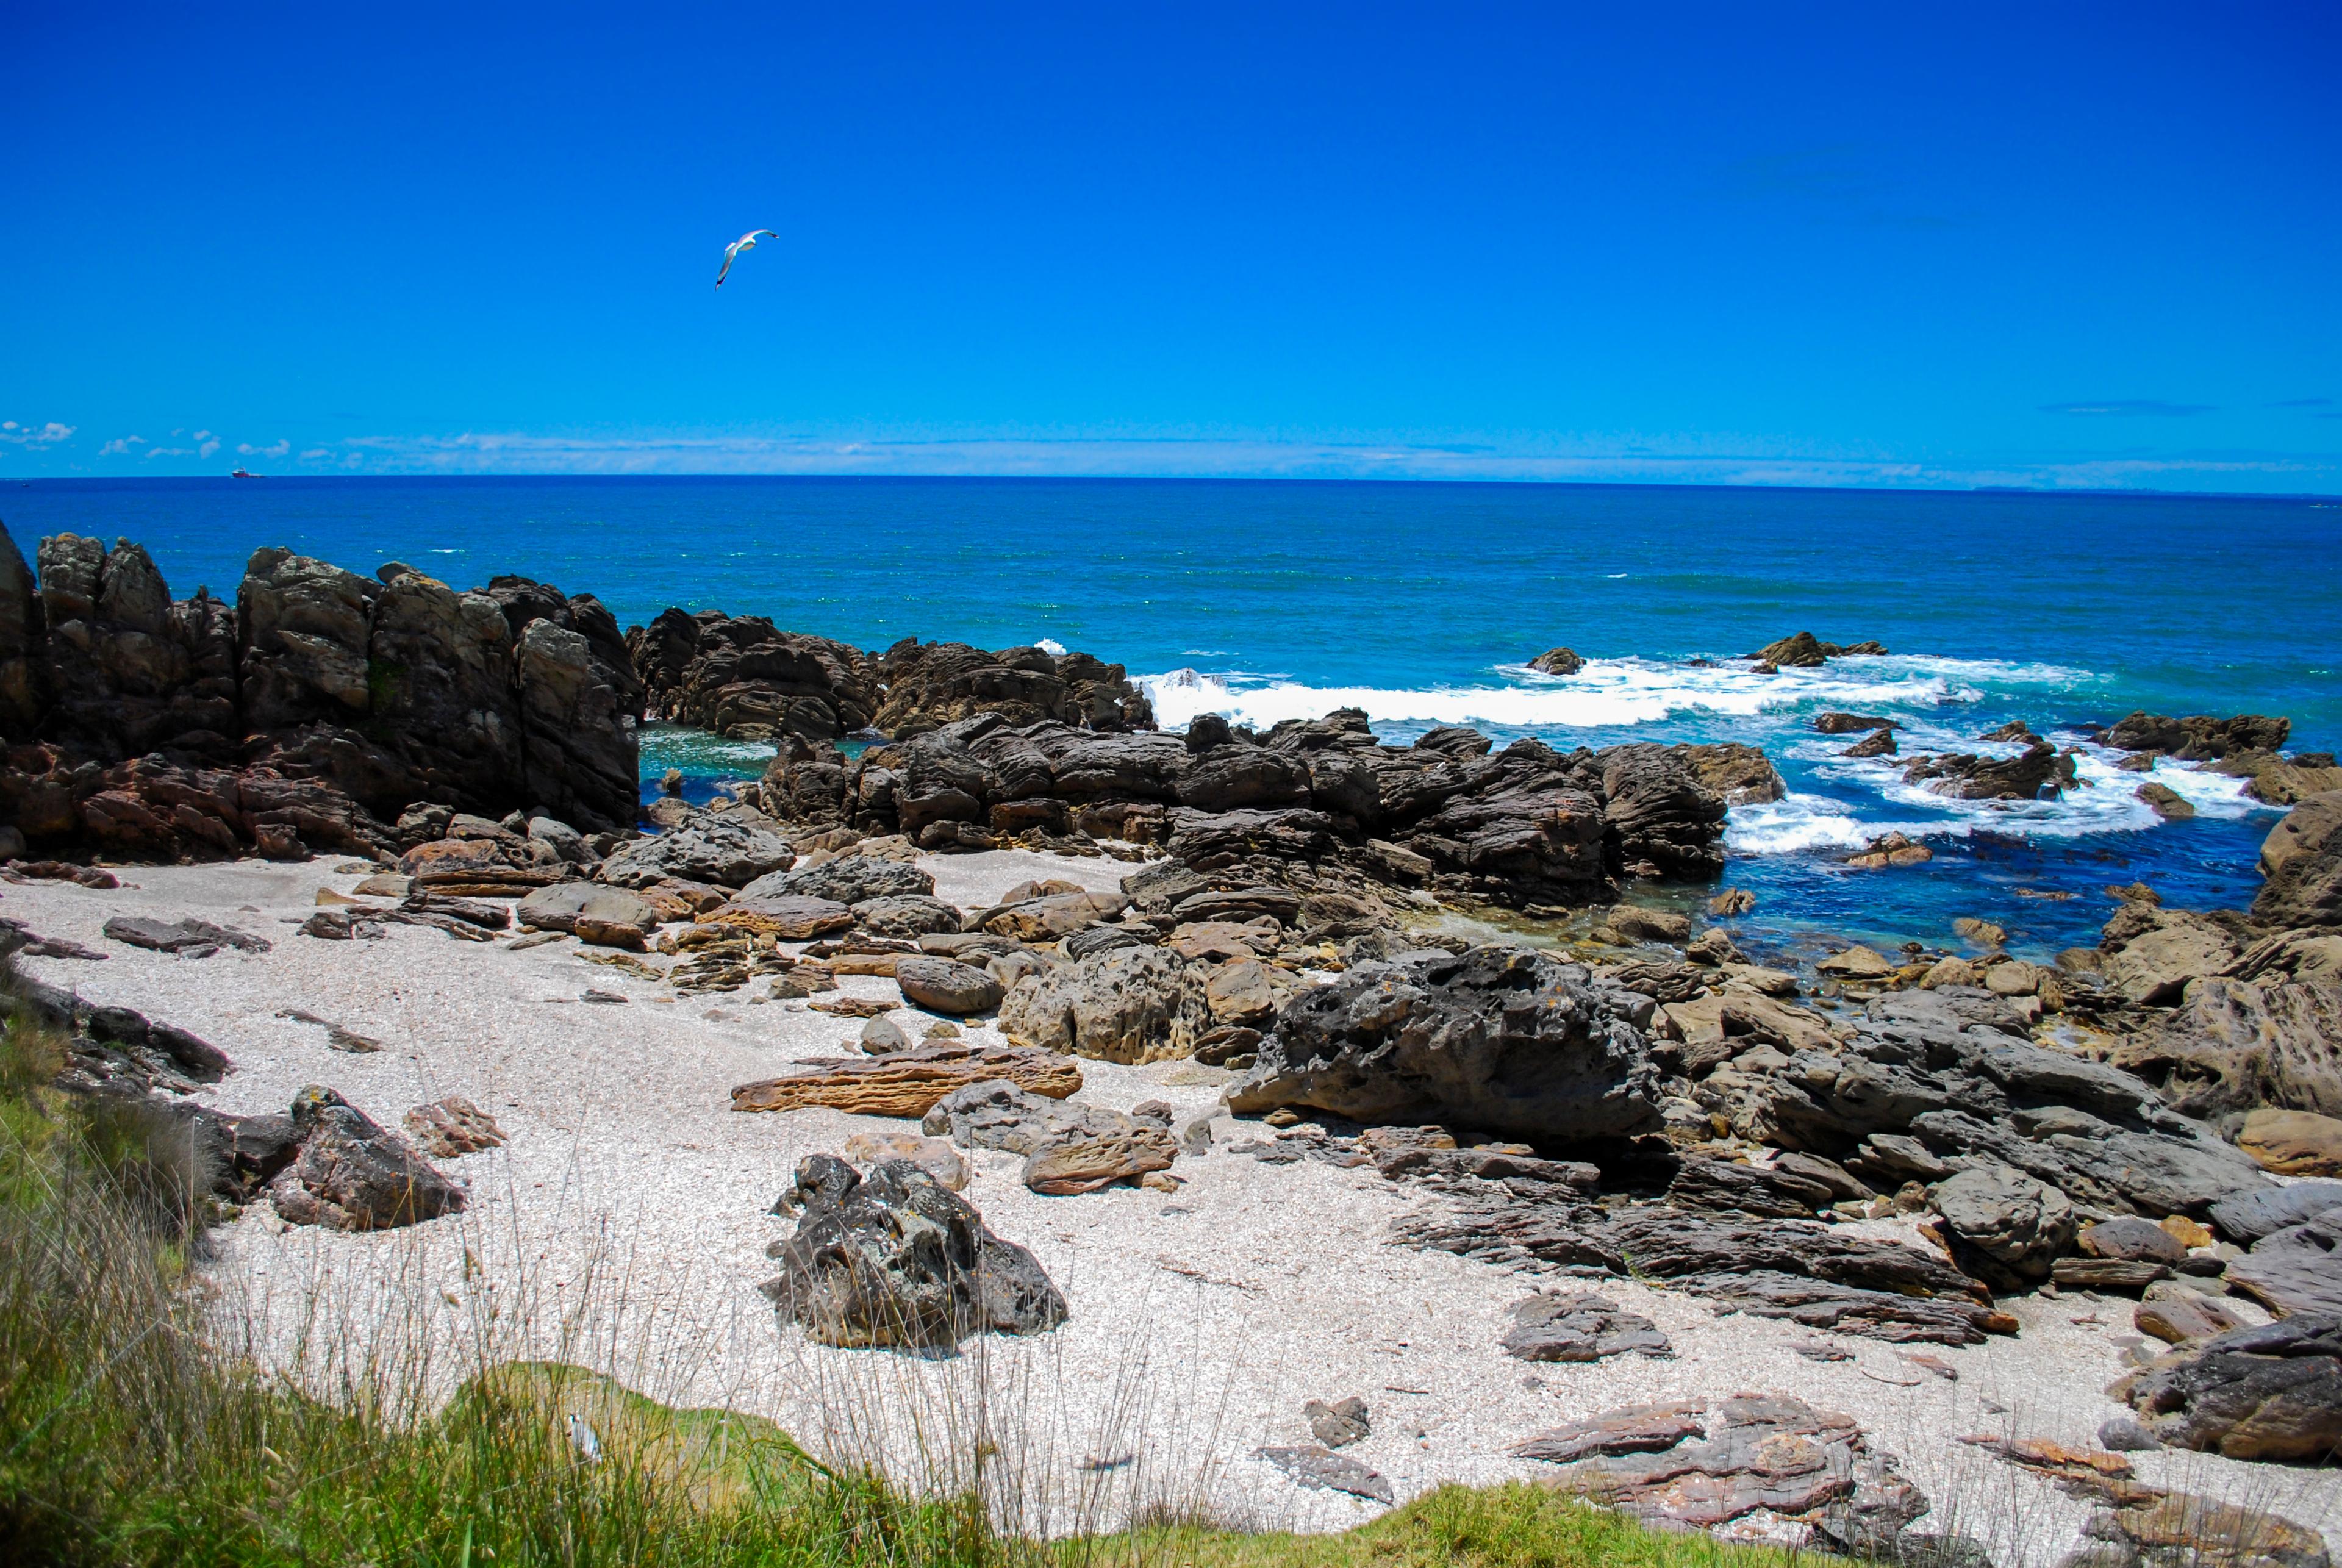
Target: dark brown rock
{"points": [[1558, 1325]]}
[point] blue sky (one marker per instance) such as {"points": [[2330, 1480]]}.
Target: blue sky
{"points": [[2073, 244]]}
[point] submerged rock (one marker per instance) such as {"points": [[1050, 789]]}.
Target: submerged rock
{"points": [[897, 1259]]}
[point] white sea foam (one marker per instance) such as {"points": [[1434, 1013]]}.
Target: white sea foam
{"points": [[1051, 646], [1606, 693]]}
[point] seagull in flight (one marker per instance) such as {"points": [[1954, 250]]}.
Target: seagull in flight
{"points": [[739, 247]]}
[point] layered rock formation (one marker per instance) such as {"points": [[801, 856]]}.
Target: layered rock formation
{"points": [[308, 715]]}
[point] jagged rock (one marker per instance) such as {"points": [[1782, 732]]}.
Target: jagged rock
{"points": [[2270, 1392], [1878, 744], [945, 985], [1701, 1183], [2296, 1270], [906, 915], [897, 1258], [726, 848], [2041, 770], [2301, 860], [1497, 1038], [188, 937], [908, 1082], [1632, 923], [352, 1176], [995, 1114], [1561, 1325], [1760, 1451], [2006, 1228], [2247, 1216], [1842, 723], [449, 1128], [933, 683], [1322, 1468], [792, 917], [2232, 1046], [742, 678], [1338, 1424], [849, 879], [1659, 812], [1127, 1004], [2179, 1530]]}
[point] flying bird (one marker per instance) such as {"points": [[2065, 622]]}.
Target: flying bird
{"points": [[740, 247]]}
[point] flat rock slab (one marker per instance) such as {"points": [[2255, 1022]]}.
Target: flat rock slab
{"points": [[1078, 1163], [792, 917], [1630, 1429], [1314, 1465], [2247, 1217], [1554, 1325], [909, 1083], [189, 938], [2298, 1269]]}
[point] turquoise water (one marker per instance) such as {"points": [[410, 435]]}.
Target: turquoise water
{"points": [[1422, 603]]}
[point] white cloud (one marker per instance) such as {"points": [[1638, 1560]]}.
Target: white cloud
{"points": [[167, 452], [245, 449], [120, 445], [315, 453], [46, 435], [208, 446]]}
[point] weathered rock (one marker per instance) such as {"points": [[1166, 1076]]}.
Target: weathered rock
{"points": [[1322, 1468], [741, 676], [2006, 1228], [849, 879], [1757, 1451], [2183, 1316], [1127, 1004], [2107, 1274], [2301, 860], [583, 906], [1843, 723], [188, 937], [1556, 662], [449, 1128], [1855, 963], [995, 1114], [2131, 1240], [1656, 811], [1052, 916], [1338, 1424], [1497, 1038], [899, 1259], [1561, 1325], [2271, 1392], [2247, 1216], [2293, 1142], [2155, 965], [2233, 1045], [1878, 743], [1075, 1160], [2296, 1270], [908, 1083], [945, 985], [2180, 1529], [792, 917], [1701, 1183], [2041, 771], [2200, 738], [352, 1176], [724, 848], [932, 1155]]}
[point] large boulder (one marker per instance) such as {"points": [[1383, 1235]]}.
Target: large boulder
{"points": [[1658, 813], [352, 1176], [897, 1258], [2199, 737], [2293, 1142], [730, 849], [2233, 1045], [2270, 1392], [849, 879], [946, 985], [2006, 1228], [2302, 861], [1128, 1004], [2296, 1270], [603, 916], [1499, 1038]]}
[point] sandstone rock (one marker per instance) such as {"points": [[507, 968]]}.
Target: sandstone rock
{"points": [[1497, 1038], [1127, 1004], [449, 1128], [2293, 1142], [352, 1176], [1076, 1162], [1732, 900], [2132, 1240], [1630, 1429], [2106, 1273], [2155, 966], [791, 918], [2233, 1045], [1634, 923], [1246, 991], [1052, 916], [932, 1155], [945, 985], [2271, 1392], [906, 916], [2179, 1530], [1559, 1325], [907, 1084], [2301, 860], [899, 1259], [1855, 963], [2006, 1228], [1339, 1425], [2179, 1318], [590, 911]]}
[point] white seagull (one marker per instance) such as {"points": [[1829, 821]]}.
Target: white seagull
{"points": [[746, 242]]}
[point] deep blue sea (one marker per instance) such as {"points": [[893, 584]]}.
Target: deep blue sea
{"points": [[1422, 603]]}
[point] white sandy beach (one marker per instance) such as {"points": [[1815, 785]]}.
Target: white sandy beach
{"points": [[1200, 1319]]}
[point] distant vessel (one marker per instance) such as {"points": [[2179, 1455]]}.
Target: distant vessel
{"points": [[240, 473]]}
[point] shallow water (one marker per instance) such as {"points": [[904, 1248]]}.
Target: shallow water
{"points": [[1421, 603]]}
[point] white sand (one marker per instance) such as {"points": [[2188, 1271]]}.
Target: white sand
{"points": [[1200, 1320]]}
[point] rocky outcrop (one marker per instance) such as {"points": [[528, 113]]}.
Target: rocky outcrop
{"points": [[2296, 1270], [897, 1258], [1558, 662], [744, 677], [1572, 1325], [305, 716], [1498, 1038], [728, 848], [928, 684], [2271, 1392], [1128, 1004], [352, 1176], [2301, 860], [2199, 738], [908, 1082], [2232, 1046], [1803, 650]]}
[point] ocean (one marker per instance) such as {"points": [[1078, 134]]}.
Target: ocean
{"points": [[1422, 604]]}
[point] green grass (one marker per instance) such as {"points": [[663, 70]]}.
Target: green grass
{"points": [[130, 1437]]}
